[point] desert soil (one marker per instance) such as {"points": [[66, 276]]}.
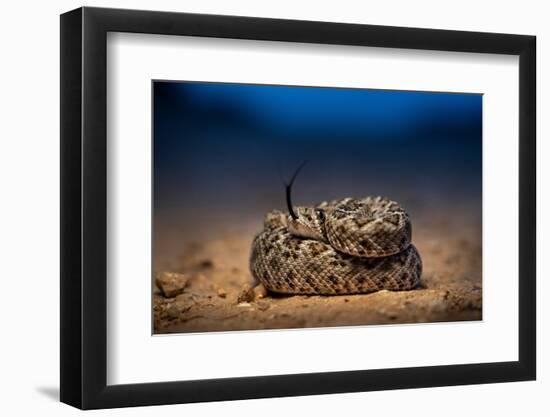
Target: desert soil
{"points": [[214, 298]]}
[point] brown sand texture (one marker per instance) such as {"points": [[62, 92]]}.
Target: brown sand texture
{"points": [[215, 297]]}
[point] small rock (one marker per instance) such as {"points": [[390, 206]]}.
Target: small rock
{"points": [[246, 295], [171, 284], [221, 293]]}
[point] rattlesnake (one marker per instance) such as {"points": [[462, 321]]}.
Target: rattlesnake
{"points": [[347, 246]]}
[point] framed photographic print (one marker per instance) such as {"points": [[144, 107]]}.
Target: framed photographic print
{"points": [[257, 207]]}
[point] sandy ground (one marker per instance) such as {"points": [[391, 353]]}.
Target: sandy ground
{"points": [[451, 288]]}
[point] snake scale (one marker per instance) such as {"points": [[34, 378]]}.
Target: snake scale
{"points": [[347, 246]]}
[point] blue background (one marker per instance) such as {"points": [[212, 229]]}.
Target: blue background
{"points": [[221, 150]]}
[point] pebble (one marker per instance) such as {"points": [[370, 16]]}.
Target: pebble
{"points": [[171, 284], [246, 295]]}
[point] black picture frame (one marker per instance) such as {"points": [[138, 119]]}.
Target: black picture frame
{"points": [[84, 223]]}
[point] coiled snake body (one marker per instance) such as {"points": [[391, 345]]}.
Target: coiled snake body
{"points": [[347, 246]]}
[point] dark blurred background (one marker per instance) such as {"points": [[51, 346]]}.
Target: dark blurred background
{"points": [[221, 152]]}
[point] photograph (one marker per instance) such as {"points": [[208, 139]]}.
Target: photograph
{"points": [[285, 207]]}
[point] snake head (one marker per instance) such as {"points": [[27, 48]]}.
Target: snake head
{"points": [[307, 222]]}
